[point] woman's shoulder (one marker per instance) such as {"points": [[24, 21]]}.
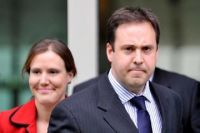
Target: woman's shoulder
{"points": [[19, 115], [5, 118], [6, 114]]}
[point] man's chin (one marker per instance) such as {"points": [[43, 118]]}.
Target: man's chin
{"points": [[137, 83]]}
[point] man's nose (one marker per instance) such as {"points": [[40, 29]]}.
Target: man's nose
{"points": [[138, 59]]}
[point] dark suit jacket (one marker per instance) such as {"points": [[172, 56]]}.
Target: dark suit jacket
{"points": [[189, 90], [98, 109]]}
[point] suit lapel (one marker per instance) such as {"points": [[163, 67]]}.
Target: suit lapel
{"points": [[114, 112], [162, 103], [119, 120]]}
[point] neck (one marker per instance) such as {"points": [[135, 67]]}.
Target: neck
{"points": [[43, 116], [43, 112], [137, 90]]}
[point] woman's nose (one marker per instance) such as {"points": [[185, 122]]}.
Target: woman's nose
{"points": [[44, 79]]}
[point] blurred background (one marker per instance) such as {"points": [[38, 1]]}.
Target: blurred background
{"points": [[81, 24]]}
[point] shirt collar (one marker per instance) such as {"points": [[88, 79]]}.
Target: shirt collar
{"points": [[123, 93]]}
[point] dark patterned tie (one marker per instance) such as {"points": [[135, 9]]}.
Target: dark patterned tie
{"points": [[143, 118]]}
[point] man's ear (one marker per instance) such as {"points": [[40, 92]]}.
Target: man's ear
{"points": [[109, 51]]}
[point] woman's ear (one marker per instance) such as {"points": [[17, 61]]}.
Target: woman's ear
{"points": [[70, 77]]}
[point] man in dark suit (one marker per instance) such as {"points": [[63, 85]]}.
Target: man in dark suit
{"points": [[123, 100], [187, 88]]}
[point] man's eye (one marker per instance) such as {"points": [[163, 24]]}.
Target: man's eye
{"points": [[147, 49], [128, 49]]}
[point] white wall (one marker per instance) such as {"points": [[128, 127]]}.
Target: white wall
{"points": [[82, 37], [185, 60]]}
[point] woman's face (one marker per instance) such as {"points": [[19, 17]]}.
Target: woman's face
{"points": [[48, 78]]}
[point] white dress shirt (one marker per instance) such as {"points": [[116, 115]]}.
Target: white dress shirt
{"points": [[151, 106]]}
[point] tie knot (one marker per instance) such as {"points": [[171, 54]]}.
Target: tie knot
{"points": [[138, 102]]}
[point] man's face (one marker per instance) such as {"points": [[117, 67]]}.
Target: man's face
{"points": [[134, 55]]}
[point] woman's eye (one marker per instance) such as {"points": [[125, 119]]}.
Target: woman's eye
{"points": [[35, 71], [53, 71]]}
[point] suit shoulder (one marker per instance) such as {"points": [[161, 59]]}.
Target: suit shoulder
{"points": [[163, 90], [85, 84], [186, 87], [174, 75], [85, 96]]}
